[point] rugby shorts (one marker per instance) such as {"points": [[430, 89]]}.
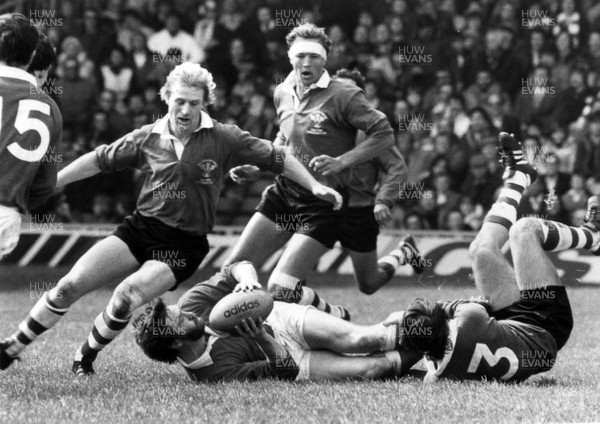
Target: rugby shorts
{"points": [[294, 209], [150, 239], [287, 322]]}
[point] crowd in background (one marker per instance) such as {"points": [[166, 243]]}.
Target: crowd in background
{"points": [[448, 74]]}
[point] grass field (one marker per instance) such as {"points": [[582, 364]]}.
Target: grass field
{"points": [[130, 388]]}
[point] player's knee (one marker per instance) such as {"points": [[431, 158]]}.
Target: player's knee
{"points": [[524, 229], [125, 299], [366, 288]]}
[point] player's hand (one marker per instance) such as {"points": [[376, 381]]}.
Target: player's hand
{"points": [[395, 318], [328, 194], [251, 330], [382, 213], [244, 174], [326, 165], [247, 286]]}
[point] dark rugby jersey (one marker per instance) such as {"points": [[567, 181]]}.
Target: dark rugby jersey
{"points": [[226, 358], [326, 121], [183, 193], [30, 132], [483, 347]]}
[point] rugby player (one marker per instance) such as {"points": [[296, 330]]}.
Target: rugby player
{"points": [[31, 126], [296, 342], [319, 119], [527, 318], [184, 156]]}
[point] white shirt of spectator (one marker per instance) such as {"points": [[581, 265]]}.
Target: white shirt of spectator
{"points": [[162, 41]]}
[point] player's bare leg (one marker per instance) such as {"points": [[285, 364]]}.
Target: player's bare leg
{"points": [[287, 278], [325, 332], [530, 238], [324, 365], [107, 261], [372, 273], [150, 281], [259, 240], [493, 274]]}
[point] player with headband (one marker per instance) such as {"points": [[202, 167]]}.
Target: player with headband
{"points": [[319, 121]]}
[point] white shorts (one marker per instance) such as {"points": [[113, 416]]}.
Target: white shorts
{"points": [[10, 227], [287, 322]]}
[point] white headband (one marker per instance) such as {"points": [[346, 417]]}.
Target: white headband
{"points": [[306, 47]]}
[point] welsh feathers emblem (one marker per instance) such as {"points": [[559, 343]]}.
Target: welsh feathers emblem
{"points": [[207, 166], [317, 119]]}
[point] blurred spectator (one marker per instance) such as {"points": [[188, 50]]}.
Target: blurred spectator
{"points": [[587, 159], [172, 37], [116, 75], [129, 26], [481, 129], [498, 108], [483, 87], [78, 96], [118, 123], [340, 52], [570, 101], [479, 185], [537, 100], [97, 36], [576, 197], [71, 48], [204, 31], [454, 221], [473, 213], [565, 60], [569, 20]]}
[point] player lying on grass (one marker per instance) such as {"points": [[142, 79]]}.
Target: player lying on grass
{"points": [[295, 342], [319, 120], [185, 157], [528, 318]]}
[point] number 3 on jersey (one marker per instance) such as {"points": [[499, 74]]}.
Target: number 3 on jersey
{"points": [[24, 123], [484, 352]]}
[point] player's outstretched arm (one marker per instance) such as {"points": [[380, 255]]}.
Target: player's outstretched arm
{"points": [[294, 170], [84, 167]]}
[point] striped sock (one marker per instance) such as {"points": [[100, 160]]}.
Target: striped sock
{"points": [[392, 261], [504, 210], [310, 297], [43, 316], [106, 329], [557, 237]]}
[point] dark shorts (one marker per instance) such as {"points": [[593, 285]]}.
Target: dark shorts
{"points": [[548, 308], [151, 239], [294, 209]]}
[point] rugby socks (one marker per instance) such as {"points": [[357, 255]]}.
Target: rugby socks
{"points": [[557, 237], [504, 210], [43, 316], [402, 255], [289, 289], [106, 329], [310, 297]]}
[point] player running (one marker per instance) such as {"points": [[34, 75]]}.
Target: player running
{"points": [[184, 156], [319, 119], [30, 127], [295, 342], [528, 318]]}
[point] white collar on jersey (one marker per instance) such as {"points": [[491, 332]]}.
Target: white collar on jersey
{"points": [[290, 82], [437, 367], [12, 72], [162, 125]]}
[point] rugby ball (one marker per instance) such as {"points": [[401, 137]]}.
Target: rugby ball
{"points": [[235, 307]]}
